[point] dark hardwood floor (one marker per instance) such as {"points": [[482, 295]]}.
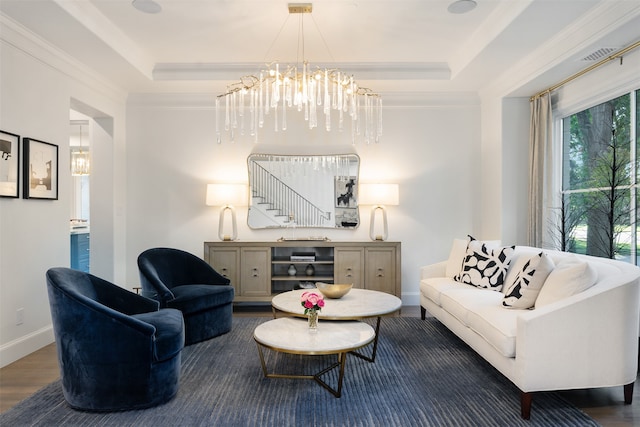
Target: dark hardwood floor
{"points": [[24, 377]]}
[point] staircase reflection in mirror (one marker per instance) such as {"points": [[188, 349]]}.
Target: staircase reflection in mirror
{"points": [[312, 191]]}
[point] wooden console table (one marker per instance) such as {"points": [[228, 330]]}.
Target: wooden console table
{"points": [[259, 270]]}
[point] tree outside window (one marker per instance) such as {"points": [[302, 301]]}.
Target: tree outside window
{"points": [[598, 214]]}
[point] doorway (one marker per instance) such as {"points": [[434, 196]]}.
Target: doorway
{"points": [[92, 203], [80, 221]]}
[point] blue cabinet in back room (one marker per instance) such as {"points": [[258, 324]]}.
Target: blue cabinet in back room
{"points": [[80, 251]]}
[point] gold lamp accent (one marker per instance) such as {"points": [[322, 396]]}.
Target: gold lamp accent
{"points": [[379, 195], [312, 92], [80, 160], [226, 196]]}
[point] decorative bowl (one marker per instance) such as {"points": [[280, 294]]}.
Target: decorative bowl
{"points": [[331, 290]]}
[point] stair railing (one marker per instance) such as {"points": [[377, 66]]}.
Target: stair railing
{"points": [[284, 199]]}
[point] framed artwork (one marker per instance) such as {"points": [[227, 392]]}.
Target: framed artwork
{"points": [[345, 192], [40, 170], [346, 198], [9, 164]]}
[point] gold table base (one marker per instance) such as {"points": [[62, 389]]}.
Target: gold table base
{"points": [[342, 359]]}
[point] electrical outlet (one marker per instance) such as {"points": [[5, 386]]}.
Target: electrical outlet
{"points": [[20, 316]]}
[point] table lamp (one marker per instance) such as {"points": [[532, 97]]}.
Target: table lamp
{"points": [[378, 195], [227, 196]]}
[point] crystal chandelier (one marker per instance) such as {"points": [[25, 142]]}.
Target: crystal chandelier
{"points": [[80, 164], [312, 92]]}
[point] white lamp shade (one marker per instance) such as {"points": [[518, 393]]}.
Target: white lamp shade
{"points": [[226, 194], [379, 194]]}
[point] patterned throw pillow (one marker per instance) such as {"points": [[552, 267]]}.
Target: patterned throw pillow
{"points": [[459, 252], [524, 290], [483, 267]]}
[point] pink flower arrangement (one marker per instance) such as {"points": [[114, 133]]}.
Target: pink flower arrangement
{"points": [[311, 301]]}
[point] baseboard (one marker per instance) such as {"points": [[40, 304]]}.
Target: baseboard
{"points": [[25, 345], [410, 298]]}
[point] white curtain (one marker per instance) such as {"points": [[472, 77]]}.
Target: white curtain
{"points": [[540, 168]]}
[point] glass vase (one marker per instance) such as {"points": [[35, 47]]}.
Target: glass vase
{"points": [[312, 316]]}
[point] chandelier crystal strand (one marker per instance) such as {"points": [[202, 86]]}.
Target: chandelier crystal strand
{"points": [[260, 105], [252, 111], [241, 110], [313, 117], [234, 110], [379, 131], [327, 102], [284, 108], [218, 136], [226, 113]]}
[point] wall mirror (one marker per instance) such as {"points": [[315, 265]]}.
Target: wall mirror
{"points": [[303, 191]]}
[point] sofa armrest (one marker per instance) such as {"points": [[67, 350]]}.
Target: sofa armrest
{"points": [[587, 340], [434, 270]]}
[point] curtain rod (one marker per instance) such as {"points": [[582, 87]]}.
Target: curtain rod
{"points": [[616, 55]]}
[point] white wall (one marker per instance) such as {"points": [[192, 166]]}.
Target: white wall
{"points": [[515, 170], [37, 88], [430, 150]]}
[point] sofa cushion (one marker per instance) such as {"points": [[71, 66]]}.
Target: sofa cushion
{"points": [[484, 267], [524, 289], [569, 277], [433, 287], [479, 310], [496, 325]]}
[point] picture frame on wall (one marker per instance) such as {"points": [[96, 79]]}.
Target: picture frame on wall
{"points": [[9, 164], [40, 170], [345, 192]]}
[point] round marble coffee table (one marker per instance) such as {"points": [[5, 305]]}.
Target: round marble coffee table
{"points": [[292, 335], [358, 304]]}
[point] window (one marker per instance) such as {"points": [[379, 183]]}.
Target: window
{"points": [[599, 210]]}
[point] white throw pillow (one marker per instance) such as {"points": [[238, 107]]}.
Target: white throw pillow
{"points": [[526, 286], [456, 257], [569, 277], [459, 251], [483, 267]]}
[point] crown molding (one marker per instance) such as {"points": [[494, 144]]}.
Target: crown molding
{"points": [[361, 70], [32, 45], [96, 23], [565, 47]]}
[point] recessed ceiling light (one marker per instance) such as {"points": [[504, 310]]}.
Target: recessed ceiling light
{"points": [[146, 6], [462, 6]]}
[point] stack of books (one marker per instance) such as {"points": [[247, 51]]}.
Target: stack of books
{"points": [[303, 256]]}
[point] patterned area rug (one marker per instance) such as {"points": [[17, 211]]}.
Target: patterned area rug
{"points": [[423, 376]]}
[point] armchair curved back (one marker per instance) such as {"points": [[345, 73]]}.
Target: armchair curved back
{"points": [[162, 269], [115, 349]]}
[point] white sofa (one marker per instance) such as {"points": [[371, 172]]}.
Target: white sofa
{"points": [[584, 340]]}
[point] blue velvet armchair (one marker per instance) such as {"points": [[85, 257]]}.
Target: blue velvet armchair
{"points": [[116, 350], [181, 280]]}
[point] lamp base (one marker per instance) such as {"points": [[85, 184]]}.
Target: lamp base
{"points": [[234, 231], [372, 235]]}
